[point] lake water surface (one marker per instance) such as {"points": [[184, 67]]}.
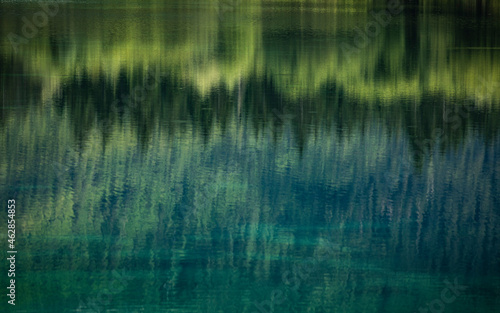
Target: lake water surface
{"points": [[251, 156]]}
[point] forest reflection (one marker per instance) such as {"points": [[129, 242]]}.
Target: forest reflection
{"points": [[114, 125], [255, 60]]}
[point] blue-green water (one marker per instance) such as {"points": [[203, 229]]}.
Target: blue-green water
{"points": [[251, 156]]}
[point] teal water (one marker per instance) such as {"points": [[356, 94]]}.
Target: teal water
{"points": [[252, 156]]}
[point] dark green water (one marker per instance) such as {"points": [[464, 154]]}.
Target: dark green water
{"points": [[248, 156]]}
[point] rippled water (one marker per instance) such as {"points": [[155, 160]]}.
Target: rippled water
{"points": [[252, 156]]}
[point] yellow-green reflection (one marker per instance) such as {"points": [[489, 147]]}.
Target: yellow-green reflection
{"points": [[207, 45]]}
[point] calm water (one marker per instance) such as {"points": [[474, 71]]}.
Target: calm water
{"points": [[248, 156]]}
